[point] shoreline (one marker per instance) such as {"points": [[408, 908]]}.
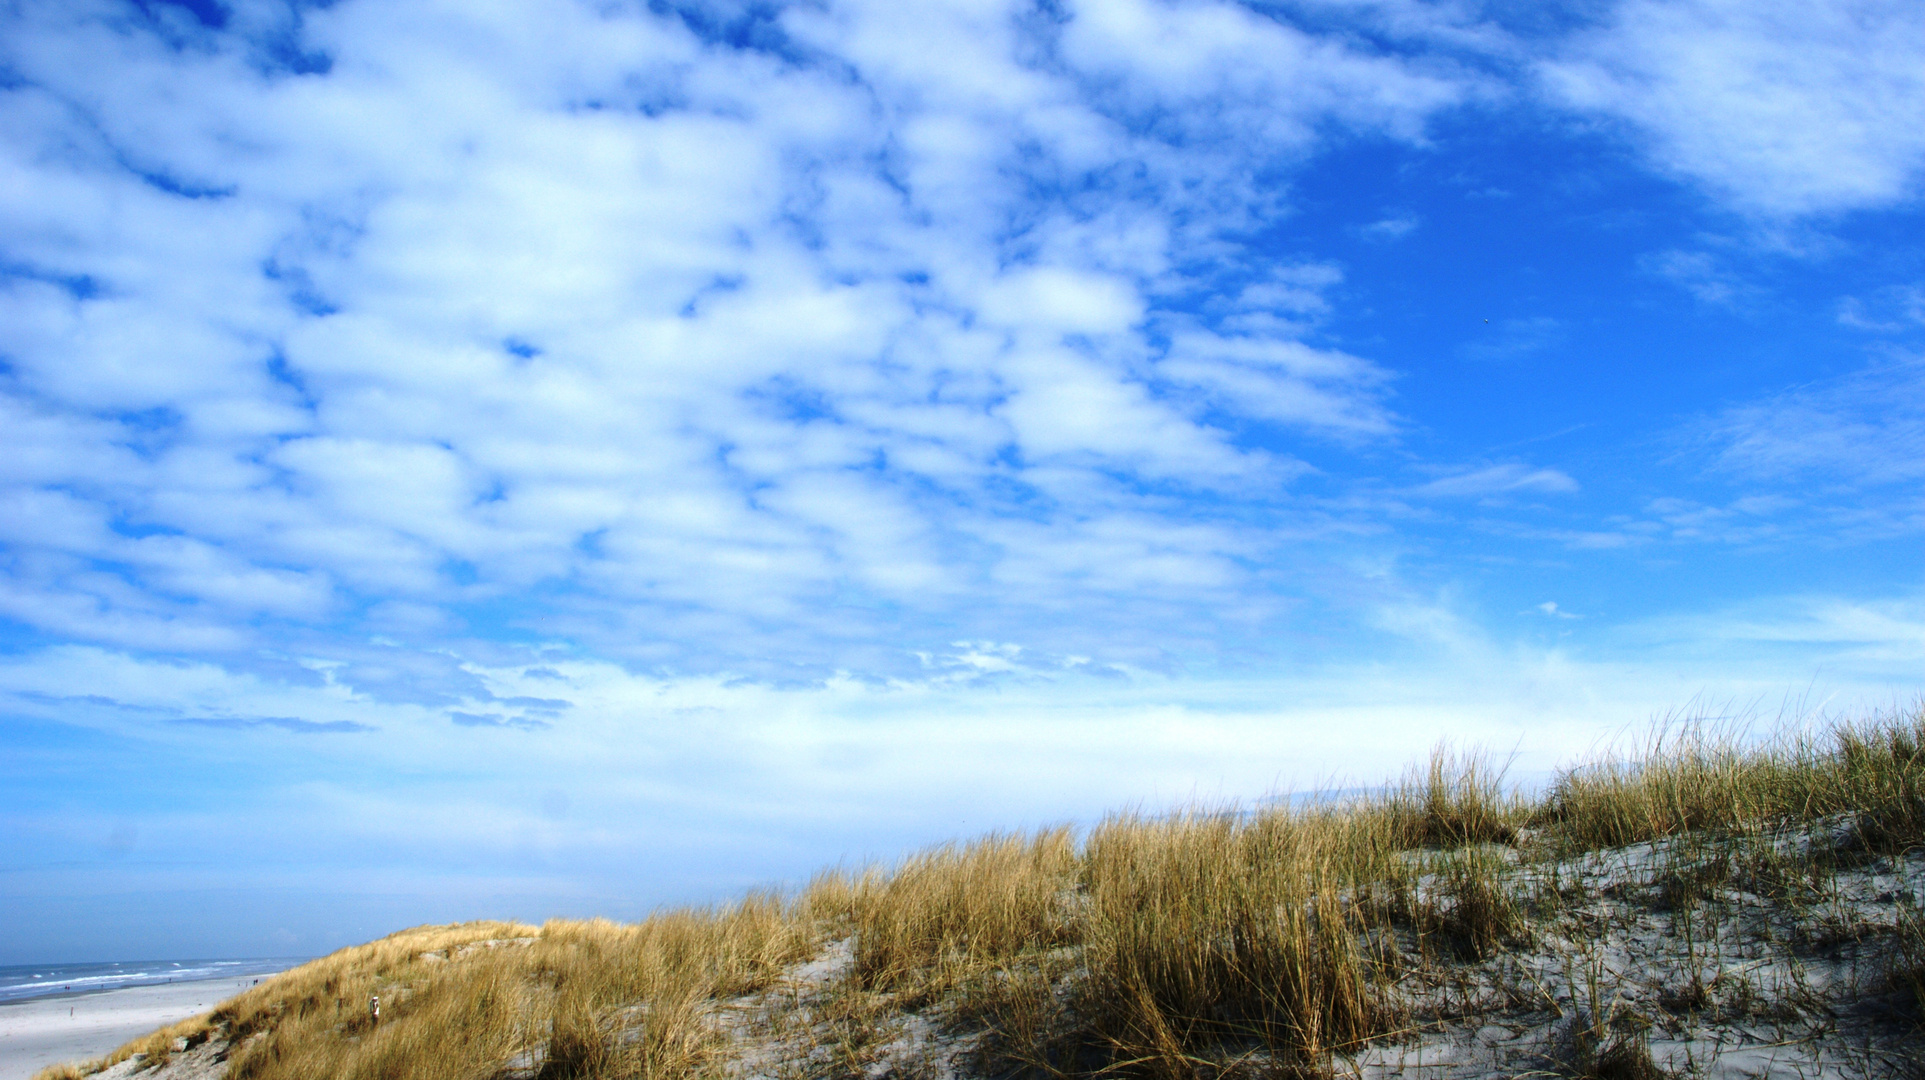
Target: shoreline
{"points": [[98, 991], [85, 1024], [33, 982]]}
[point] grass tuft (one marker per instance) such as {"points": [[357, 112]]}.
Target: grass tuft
{"points": [[948, 912], [1457, 799], [1210, 929], [1697, 776]]}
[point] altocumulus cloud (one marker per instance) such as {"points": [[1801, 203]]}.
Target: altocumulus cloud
{"points": [[776, 340], [701, 340]]}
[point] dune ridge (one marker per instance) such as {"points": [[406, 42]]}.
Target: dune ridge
{"points": [[1705, 904]]}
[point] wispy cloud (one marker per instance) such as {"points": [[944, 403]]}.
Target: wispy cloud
{"points": [[1889, 310], [1505, 479], [285, 723], [1782, 107], [1874, 638], [1514, 339], [1390, 228], [468, 719], [1859, 430], [1701, 274]]}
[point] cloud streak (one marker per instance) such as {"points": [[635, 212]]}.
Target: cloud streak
{"points": [[1860, 431], [1493, 480], [291, 724]]}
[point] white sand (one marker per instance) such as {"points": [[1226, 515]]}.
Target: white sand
{"points": [[45, 1031]]}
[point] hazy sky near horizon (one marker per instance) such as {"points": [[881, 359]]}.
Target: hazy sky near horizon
{"points": [[543, 457]]}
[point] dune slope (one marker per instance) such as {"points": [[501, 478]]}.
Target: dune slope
{"points": [[1710, 905]]}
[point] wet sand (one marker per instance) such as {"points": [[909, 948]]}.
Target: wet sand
{"points": [[45, 1031]]}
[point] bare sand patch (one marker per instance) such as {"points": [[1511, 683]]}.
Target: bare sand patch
{"points": [[46, 1031]]}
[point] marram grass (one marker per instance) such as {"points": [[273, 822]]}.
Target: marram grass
{"points": [[1143, 948]]}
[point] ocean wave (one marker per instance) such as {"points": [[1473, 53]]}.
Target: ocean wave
{"points": [[27, 981]]}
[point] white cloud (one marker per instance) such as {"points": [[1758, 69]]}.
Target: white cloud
{"points": [[1875, 643], [1263, 305], [1847, 433], [1264, 80], [1495, 480], [1390, 228], [1701, 274], [1754, 519], [1281, 380], [1888, 310], [1061, 301], [566, 308], [693, 774], [1783, 107]]}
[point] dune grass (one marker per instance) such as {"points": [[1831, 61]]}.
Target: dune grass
{"points": [[1696, 776], [458, 1001], [1165, 946]]}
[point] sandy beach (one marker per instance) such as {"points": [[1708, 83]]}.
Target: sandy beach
{"points": [[41, 1032]]}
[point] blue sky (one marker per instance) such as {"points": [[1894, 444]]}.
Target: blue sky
{"points": [[560, 458]]}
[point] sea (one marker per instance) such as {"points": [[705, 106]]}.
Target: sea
{"points": [[27, 981]]}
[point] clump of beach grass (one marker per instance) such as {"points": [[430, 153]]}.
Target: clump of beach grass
{"points": [[1458, 798], [955, 909], [576, 998], [1692, 776], [1222, 930]]}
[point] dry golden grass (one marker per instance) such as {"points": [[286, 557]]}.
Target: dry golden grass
{"points": [[1694, 776], [1165, 946], [955, 909], [584, 998], [1207, 929], [1459, 798]]}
